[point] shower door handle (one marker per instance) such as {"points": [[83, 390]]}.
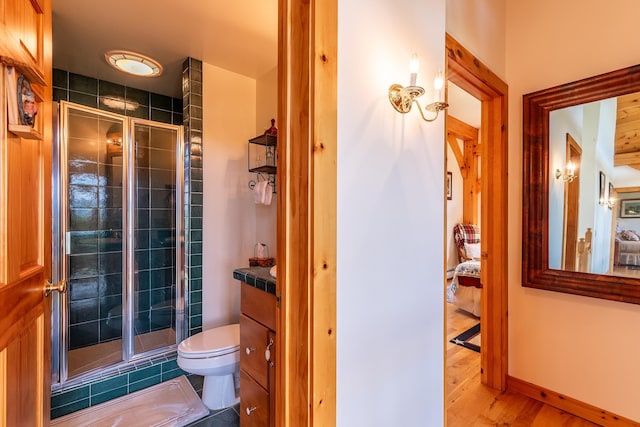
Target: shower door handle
{"points": [[49, 287]]}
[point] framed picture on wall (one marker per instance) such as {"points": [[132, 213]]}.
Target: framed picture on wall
{"points": [[449, 185], [630, 208], [603, 184]]}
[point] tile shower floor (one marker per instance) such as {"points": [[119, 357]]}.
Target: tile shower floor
{"points": [[228, 417], [104, 354]]}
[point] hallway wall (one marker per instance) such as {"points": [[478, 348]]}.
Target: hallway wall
{"points": [[578, 346]]}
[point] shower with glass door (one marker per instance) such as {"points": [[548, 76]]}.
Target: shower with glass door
{"points": [[121, 241]]}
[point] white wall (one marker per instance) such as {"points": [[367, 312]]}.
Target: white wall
{"points": [[229, 218], [562, 122], [574, 345], [390, 218], [454, 209], [479, 25], [266, 109]]}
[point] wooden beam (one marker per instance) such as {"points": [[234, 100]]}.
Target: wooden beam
{"points": [[324, 222], [457, 152], [627, 189], [627, 159], [461, 129], [307, 150]]}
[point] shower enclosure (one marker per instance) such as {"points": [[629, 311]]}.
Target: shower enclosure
{"points": [[120, 237]]}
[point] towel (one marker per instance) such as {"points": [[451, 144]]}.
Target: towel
{"points": [[268, 194], [262, 193], [259, 192]]}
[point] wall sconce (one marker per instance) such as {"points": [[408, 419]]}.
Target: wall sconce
{"points": [[569, 175], [402, 98], [610, 203]]}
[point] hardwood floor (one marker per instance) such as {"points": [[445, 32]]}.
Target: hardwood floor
{"points": [[469, 403]]}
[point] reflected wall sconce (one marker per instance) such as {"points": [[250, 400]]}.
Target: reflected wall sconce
{"points": [[569, 175], [402, 98], [610, 203]]}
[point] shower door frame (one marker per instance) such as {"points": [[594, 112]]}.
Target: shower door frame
{"points": [[60, 320]]}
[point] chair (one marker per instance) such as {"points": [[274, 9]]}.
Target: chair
{"points": [[467, 234]]}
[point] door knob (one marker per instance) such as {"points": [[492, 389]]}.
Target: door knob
{"points": [[49, 287]]}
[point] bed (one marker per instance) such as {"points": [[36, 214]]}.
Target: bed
{"points": [[627, 248], [465, 288]]}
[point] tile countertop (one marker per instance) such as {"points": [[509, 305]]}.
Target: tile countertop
{"points": [[258, 277]]}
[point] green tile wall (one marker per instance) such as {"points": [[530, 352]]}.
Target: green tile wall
{"points": [[145, 374], [192, 113], [104, 389]]}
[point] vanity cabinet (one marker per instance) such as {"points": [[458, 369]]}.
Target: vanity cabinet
{"points": [[257, 357]]}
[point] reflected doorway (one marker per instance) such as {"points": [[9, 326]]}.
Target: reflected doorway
{"points": [[571, 206]]}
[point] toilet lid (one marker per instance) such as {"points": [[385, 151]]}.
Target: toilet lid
{"points": [[216, 341]]}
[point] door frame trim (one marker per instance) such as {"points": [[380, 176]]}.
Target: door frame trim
{"points": [[471, 75], [306, 217]]}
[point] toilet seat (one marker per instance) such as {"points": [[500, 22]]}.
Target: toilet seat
{"points": [[211, 343]]}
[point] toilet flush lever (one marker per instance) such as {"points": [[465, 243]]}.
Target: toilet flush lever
{"points": [[267, 352]]}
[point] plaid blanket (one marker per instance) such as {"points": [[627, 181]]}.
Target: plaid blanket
{"points": [[466, 233]]}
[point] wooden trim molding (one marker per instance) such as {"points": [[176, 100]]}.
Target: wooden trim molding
{"points": [[471, 75], [567, 404], [307, 150], [536, 109]]}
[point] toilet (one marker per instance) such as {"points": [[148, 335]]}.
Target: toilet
{"points": [[214, 354]]}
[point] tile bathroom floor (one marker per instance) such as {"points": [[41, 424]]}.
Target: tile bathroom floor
{"points": [[228, 417]]}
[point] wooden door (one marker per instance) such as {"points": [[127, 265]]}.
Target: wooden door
{"points": [[25, 221]]}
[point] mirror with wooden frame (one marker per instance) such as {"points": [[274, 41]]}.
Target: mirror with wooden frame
{"points": [[573, 227]]}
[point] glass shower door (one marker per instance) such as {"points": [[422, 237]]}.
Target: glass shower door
{"points": [[94, 239], [123, 252], [156, 197]]}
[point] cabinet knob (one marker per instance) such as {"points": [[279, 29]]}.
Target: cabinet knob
{"points": [[250, 410], [249, 350]]}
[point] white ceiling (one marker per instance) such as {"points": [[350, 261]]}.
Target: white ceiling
{"points": [[239, 35]]}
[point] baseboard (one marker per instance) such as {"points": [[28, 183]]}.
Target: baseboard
{"points": [[568, 404]]}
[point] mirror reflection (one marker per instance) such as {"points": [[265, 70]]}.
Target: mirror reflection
{"points": [[594, 187]]}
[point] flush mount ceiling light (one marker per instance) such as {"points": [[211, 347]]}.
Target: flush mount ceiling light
{"points": [[133, 63]]}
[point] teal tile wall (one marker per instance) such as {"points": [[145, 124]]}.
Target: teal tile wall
{"points": [[92, 92], [148, 373], [192, 113], [104, 389]]}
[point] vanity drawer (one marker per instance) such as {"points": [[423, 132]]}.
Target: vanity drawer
{"points": [[254, 403], [254, 339], [259, 305]]}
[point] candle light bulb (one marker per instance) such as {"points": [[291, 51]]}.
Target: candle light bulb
{"points": [[438, 85], [438, 82], [414, 66], [571, 169]]}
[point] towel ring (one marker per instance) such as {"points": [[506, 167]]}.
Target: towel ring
{"points": [[261, 177]]}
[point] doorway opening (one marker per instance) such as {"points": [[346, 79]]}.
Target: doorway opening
{"points": [[470, 75]]}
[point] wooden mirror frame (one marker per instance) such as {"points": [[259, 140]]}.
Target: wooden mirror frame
{"points": [[535, 210]]}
